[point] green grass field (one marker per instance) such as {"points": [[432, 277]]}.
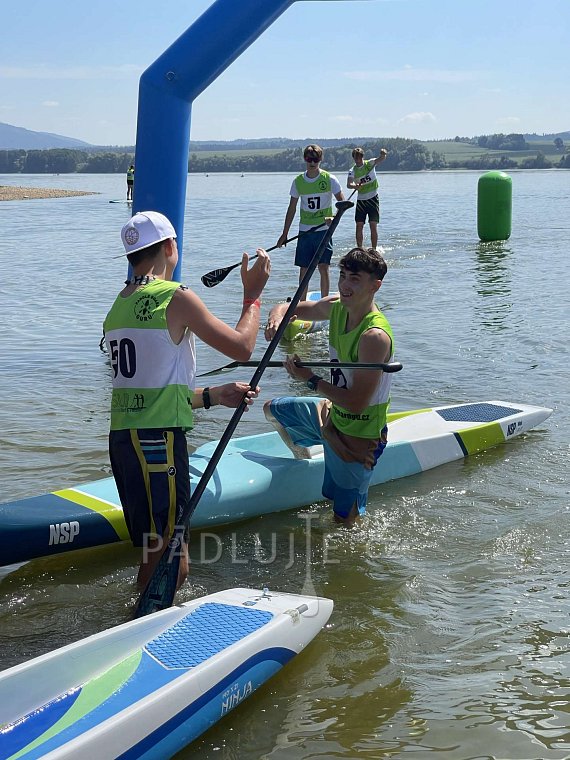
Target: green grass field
{"points": [[457, 151], [451, 150]]}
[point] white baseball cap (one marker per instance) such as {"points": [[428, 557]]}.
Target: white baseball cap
{"points": [[145, 228]]}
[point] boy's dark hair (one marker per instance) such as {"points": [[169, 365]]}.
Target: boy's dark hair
{"points": [[150, 252], [364, 260], [313, 149]]}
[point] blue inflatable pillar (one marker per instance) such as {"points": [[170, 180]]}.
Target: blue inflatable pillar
{"points": [[167, 90]]}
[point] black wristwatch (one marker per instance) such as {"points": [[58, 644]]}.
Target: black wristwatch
{"points": [[313, 381]]}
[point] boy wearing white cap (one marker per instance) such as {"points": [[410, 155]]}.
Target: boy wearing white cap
{"points": [[149, 333]]}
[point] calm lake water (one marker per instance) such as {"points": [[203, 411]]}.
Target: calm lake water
{"points": [[449, 637]]}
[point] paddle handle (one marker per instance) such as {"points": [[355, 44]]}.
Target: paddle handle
{"points": [[384, 366]]}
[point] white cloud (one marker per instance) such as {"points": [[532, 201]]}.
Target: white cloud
{"points": [[342, 118], [50, 103], [418, 117], [408, 74], [509, 120], [127, 71]]}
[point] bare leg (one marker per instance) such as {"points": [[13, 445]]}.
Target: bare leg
{"points": [[374, 234], [359, 234], [325, 279], [350, 519], [299, 452], [302, 272]]}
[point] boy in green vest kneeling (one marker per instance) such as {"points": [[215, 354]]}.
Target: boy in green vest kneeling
{"points": [[349, 418]]}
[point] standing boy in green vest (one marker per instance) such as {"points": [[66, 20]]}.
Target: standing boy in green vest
{"points": [[315, 188], [149, 333], [362, 176], [349, 418]]}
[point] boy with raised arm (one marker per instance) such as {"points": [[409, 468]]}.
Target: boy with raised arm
{"points": [[149, 333], [349, 418], [362, 177]]}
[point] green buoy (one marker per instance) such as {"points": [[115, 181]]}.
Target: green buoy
{"points": [[494, 206]]}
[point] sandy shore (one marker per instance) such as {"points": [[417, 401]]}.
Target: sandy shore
{"points": [[11, 193]]}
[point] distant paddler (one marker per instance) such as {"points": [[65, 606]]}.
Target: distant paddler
{"points": [[348, 416], [362, 177], [130, 181]]}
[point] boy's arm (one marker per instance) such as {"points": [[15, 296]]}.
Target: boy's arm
{"points": [[289, 216], [381, 157], [186, 311], [313, 310], [351, 183], [229, 394]]}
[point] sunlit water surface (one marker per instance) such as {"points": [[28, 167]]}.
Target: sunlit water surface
{"points": [[450, 631]]}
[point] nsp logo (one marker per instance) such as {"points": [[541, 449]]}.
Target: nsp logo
{"points": [[63, 533]]}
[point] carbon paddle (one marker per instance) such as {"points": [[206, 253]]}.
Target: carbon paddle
{"points": [[161, 588], [385, 367], [213, 278]]}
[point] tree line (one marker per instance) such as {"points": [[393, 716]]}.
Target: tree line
{"points": [[63, 161], [403, 155]]}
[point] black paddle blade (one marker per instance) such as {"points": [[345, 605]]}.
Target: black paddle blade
{"points": [[213, 278], [161, 588]]}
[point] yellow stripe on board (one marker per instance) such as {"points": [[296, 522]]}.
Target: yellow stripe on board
{"points": [[393, 416], [113, 515], [482, 437]]}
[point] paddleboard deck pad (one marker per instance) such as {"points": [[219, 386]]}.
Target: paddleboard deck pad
{"points": [[149, 687], [258, 475]]}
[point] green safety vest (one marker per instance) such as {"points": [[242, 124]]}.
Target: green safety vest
{"points": [[343, 346], [130, 175], [368, 172], [153, 377], [316, 198]]}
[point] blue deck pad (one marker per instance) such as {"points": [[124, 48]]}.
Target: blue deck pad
{"points": [[208, 630], [476, 413]]}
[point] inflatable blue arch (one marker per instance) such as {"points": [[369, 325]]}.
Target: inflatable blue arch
{"points": [[168, 88]]}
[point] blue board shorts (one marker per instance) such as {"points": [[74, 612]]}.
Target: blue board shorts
{"points": [[152, 474], [307, 245], [345, 483]]}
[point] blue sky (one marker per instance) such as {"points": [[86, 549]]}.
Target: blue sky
{"points": [[326, 68]]}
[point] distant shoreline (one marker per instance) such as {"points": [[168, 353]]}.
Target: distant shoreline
{"points": [[16, 193]]}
